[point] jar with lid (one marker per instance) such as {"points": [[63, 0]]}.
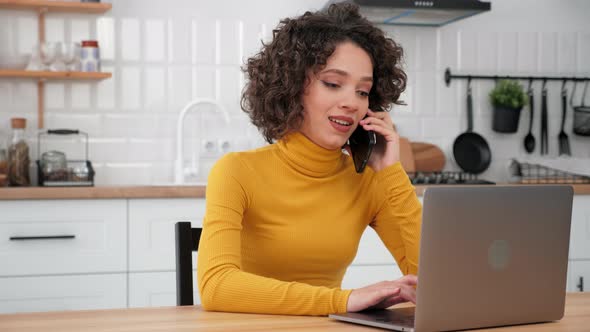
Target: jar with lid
{"points": [[54, 166], [18, 155], [90, 56]]}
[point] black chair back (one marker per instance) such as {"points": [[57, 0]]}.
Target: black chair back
{"points": [[187, 241]]}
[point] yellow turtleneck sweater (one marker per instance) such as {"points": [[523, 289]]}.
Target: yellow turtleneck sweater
{"points": [[283, 223]]}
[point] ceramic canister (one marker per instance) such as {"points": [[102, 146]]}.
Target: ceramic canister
{"points": [[90, 56]]}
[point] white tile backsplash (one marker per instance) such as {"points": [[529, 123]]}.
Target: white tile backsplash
{"points": [[204, 41], [80, 30], [548, 50], [130, 38], [179, 86], [155, 88], [487, 48], [7, 36], [105, 34], [26, 34], [230, 42], [54, 30], [507, 52], [528, 52], [24, 94], [566, 56], [426, 49], [204, 82], [80, 95], [229, 88], [155, 40], [5, 96], [434, 127], [54, 95], [162, 59], [448, 50], [179, 40], [467, 50], [130, 87], [583, 51], [426, 104], [105, 91]]}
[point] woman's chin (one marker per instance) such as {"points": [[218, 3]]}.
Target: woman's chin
{"points": [[333, 144]]}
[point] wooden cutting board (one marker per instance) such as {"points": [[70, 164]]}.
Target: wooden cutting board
{"points": [[427, 157], [406, 156]]}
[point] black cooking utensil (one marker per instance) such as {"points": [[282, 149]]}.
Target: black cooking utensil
{"points": [[470, 150], [544, 142], [529, 139], [564, 143]]}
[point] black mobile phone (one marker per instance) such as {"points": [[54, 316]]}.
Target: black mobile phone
{"points": [[361, 144]]}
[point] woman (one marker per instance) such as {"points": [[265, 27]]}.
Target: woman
{"points": [[283, 222]]}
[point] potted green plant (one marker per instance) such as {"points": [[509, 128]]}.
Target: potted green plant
{"points": [[508, 98]]}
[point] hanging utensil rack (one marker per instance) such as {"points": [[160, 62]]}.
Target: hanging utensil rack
{"points": [[449, 77]]}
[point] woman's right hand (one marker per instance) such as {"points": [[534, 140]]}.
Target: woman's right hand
{"points": [[383, 294]]}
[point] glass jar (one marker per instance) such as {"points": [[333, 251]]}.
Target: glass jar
{"points": [[54, 166], [18, 154], [3, 168]]}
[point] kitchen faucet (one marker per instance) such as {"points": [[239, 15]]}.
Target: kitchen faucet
{"points": [[179, 171]]}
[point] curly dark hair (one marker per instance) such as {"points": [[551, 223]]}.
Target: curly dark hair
{"points": [[277, 74]]}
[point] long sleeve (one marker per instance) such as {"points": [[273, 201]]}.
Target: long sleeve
{"points": [[399, 218], [223, 284]]}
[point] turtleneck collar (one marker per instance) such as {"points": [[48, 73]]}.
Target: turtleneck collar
{"points": [[309, 158]]}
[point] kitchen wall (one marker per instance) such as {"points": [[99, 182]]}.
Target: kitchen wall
{"points": [[164, 54]]}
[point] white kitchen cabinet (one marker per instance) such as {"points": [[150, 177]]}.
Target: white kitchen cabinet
{"points": [[69, 292], [579, 276], [362, 275], [97, 231], [151, 230], [580, 230], [156, 289]]}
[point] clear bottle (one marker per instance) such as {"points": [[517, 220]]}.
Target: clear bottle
{"points": [[18, 155], [3, 167]]}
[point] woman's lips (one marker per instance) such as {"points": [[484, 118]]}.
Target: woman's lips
{"points": [[339, 127], [341, 123]]}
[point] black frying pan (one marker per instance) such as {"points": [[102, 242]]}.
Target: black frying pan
{"points": [[471, 151]]}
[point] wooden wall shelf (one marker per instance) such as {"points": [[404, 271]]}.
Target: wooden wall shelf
{"points": [[52, 75], [56, 6], [42, 7]]}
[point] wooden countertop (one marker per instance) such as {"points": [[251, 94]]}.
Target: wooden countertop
{"points": [[102, 192], [192, 318], [13, 193]]}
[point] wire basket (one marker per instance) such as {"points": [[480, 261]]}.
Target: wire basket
{"points": [[581, 124], [538, 174]]}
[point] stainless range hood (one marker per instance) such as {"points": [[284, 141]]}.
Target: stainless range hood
{"points": [[431, 13]]}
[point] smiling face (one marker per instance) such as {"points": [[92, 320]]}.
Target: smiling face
{"points": [[337, 97]]}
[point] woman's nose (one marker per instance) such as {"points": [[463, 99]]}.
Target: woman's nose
{"points": [[350, 101]]}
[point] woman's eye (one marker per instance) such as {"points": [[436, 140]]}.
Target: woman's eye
{"points": [[330, 85], [363, 94]]}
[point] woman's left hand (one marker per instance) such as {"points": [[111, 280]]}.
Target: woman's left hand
{"points": [[386, 151]]}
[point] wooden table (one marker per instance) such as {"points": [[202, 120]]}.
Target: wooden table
{"points": [[577, 318]]}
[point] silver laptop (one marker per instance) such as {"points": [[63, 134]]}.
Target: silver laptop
{"points": [[489, 256]]}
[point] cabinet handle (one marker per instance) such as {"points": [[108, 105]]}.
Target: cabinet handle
{"points": [[63, 132], [50, 237], [581, 284]]}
